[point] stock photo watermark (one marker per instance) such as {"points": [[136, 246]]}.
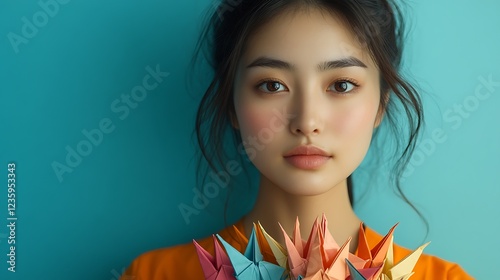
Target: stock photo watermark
{"points": [[121, 107], [222, 178], [454, 117], [226, 6], [31, 26], [11, 217]]}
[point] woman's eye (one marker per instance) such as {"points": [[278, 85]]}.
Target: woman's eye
{"points": [[271, 86], [343, 86]]}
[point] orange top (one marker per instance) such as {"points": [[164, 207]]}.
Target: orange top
{"points": [[181, 261]]}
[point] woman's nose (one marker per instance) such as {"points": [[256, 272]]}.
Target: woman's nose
{"points": [[308, 110]]}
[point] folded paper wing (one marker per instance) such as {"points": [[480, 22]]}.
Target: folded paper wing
{"points": [[362, 274], [297, 260], [331, 248], [215, 268], [376, 255], [404, 268], [278, 251], [338, 267]]}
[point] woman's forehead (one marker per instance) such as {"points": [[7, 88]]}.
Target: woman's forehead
{"points": [[306, 39]]}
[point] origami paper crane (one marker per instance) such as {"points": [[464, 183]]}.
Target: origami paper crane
{"points": [[382, 256], [376, 255], [215, 268], [320, 257], [251, 265], [337, 271]]}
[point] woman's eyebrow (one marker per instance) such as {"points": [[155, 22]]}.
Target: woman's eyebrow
{"points": [[349, 61]]}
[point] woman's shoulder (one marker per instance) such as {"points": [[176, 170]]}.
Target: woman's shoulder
{"points": [[176, 262], [428, 266]]}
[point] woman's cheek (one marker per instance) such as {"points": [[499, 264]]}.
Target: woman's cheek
{"points": [[256, 120], [256, 132], [358, 120]]}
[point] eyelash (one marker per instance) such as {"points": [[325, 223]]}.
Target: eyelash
{"points": [[349, 80]]}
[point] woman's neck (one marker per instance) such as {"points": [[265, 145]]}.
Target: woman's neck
{"points": [[274, 205]]}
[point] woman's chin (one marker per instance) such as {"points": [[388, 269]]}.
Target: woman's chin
{"points": [[306, 188]]}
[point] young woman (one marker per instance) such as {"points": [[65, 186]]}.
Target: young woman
{"points": [[303, 85]]}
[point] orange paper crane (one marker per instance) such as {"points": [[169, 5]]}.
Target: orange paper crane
{"points": [[381, 256], [376, 255]]}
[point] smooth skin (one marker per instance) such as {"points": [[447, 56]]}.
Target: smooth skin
{"points": [[335, 109]]}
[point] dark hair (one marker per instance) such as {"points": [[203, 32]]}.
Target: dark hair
{"points": [[379, 28]]}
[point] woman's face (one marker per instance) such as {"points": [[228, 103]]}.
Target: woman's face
{"points": [[305, 80]]}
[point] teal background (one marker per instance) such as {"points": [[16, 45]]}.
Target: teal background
{"points": [[122, 199]]}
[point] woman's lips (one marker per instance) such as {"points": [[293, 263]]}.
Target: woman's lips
{"points": [[307, 161]]}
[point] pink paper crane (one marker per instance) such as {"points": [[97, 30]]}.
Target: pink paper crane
{"points": [[216, 267]]}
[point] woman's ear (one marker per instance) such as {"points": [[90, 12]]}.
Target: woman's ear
{"points": [[233, 120], [381, 109], [380, 116]]}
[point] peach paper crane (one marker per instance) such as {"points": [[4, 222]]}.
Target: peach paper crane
{"points": [[251, 265], [337, 271], [320, 257], [215, 268]]}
